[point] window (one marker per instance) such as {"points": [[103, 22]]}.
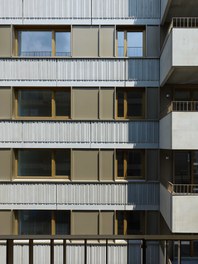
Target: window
{"points": [[130, 43], [130, 222], [130, 164], [50, 103], [47, 42], [130, 103], [43, 163], [43, 222]]}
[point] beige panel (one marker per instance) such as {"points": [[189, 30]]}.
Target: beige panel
{"points": [[153, 103], [85, 41], [107, 41], [6, 222], [5, 41], [85, 103], [106, 165], [84, 223], [152, 223], [85, 165], [106, 103], [153, 41], [152, 165], [5, 164], [5, 103], [106, 223]]}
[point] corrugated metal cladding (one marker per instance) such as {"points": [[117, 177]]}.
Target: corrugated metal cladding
{"points": [[33, 9], [79, 132], [79, 69], [33, 194], [144, 8], [96, 254]]}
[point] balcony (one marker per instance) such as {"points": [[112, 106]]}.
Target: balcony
{"points": [[179, 59], [178, 126], [79, 196], [177, 8], [178, 203]]}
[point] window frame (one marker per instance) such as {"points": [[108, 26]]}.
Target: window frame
{"points": [[125, 106], [52, 220], [126, 30], [53, 91], [52, 29], [53, 166], [125, 165]]}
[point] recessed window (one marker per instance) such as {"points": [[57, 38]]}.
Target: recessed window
{"points": [[130, 103], [130, 43], [43, 43], [43, 103], [43, 163], [130, 164], [38, 222], [129, 223]]}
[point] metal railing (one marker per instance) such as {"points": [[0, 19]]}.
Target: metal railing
{"points": [[185, 22], [182, 188], [63, 54], [180, 106], [33, 248], [35, 53]]}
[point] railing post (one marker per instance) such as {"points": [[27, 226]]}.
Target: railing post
{"points": [[9, 251], [64, 251], [31, 251], [52, 251], [179, 252], [107, 251], [143, 246], [85, 257]]}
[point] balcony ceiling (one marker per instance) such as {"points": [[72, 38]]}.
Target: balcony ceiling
{"points": [[184, 75], [182, 8]]}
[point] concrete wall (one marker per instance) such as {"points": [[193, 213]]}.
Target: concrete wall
{"points": [[184, 130], [166, 132], [166, 60], [185, 48], [185, 214], [166, 205]]}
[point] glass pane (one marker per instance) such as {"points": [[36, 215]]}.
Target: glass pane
{"points": [[63, 44], [62, 222], [182, 168], [134, 44], [34, 103], [35, 43], [62, 160], [134, 103], [133, 223], [120, 43], [134, 164], [120, 219], [62, 99], [120, 163], [34, 162], [120, 100], [34, 222]]}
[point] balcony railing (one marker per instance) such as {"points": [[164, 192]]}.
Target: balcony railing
{"points": [[180, 106], [182, 188], [43, 54]]}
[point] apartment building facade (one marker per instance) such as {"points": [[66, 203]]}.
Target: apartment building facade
{"points": [[98, 146]]}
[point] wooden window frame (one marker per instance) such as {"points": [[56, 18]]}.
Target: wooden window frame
{"points": [[127, 29], [125, 176], [125, 222], [143, 101], [52, 29], [52, 221], [53, 116], [53, 166]]}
